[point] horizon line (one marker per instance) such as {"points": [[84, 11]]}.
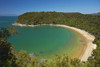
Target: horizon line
{"points": [[45, 11]]}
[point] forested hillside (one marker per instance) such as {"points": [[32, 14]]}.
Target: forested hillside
{"points": [[11, 58], [90, 23], [87, 22]]}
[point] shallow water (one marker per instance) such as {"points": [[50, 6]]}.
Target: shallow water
{"points": [[44, 41]]}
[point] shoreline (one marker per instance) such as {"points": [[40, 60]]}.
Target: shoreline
{"points": [[89, 44], [25, 25], [87, 51]]}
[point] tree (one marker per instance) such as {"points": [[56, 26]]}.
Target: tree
{"points": [[7, 58]]}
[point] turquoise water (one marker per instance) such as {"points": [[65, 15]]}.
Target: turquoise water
{"points": [[7, 20], [44, 41]]}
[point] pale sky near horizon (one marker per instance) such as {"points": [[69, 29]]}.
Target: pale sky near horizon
{"points": [[17, 7]]}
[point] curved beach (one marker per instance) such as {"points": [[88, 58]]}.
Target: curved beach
{"points": [[89, 46], [89, 38]]}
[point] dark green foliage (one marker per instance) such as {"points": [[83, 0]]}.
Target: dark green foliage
{"points": [[12, 30], [89, 23], [44, 18], [6, 32], [7, 58]]}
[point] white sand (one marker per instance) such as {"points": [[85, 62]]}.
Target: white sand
{"points": [[25, 25], [22, 25], [90, 38]]}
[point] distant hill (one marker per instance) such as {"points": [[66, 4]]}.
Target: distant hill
{"points": [[82, 21], [47, 17], [96, 13]]}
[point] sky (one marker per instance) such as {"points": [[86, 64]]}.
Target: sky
{"points": [[18, 7]]}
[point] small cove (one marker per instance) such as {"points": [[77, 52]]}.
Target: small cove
{"points": [[45, 41]]}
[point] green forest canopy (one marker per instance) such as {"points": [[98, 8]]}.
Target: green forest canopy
{"points": [[87, 22], [90, 23]]}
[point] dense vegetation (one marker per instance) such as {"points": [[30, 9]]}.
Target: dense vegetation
{"points": [[90, 23], [11, 58], [86, 22]]}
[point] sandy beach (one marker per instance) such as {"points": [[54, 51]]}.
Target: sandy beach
{"points": [[23, 25], [89, 38]]}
